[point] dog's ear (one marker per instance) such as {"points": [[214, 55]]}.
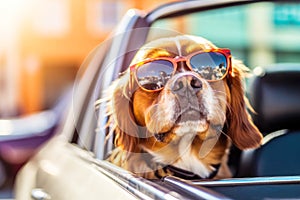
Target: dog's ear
{"points": [[240, 127], [121, 115]]}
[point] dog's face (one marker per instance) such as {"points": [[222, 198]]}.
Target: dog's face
{"points": [[182, 96], [187, 102]]}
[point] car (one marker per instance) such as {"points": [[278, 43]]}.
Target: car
{"points": [[264, 34], [22, 136]]}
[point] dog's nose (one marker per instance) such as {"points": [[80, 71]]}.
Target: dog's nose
{"points": [[186, 82]]}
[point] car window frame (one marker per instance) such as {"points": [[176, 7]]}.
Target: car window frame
{"points": [[82, 90]]}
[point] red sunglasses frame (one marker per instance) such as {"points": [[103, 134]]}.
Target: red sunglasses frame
{"points": [[226, 52]]}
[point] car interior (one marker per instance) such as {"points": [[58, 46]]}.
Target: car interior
{"points": [[273, 169], [274, 95]]}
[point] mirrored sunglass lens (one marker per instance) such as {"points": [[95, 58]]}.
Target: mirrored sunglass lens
{"points": [[210, 65], [154, 75]]}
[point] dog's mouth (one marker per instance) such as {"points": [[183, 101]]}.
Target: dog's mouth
{"points": [[189, 121], [190, 114]]}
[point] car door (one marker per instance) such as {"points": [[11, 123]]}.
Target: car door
{"points": [[65, 168], [65, 171]]}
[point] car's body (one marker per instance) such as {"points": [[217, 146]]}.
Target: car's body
{"points": [[22, 136], [71, 165]]}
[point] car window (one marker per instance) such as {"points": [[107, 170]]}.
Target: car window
{"points": [[259, 33]]}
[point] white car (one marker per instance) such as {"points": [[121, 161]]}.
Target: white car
{"points": [[72, 164]]}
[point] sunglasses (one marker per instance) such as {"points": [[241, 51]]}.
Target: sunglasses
{"points": [[152, 74]]}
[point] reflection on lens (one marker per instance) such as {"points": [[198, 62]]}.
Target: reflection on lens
{"points": [[154, 75], [210, 65]]}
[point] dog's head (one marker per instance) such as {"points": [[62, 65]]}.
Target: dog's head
{"points": [[181, 87]]}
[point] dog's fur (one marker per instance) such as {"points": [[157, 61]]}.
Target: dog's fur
{"points": [[191, 131]]}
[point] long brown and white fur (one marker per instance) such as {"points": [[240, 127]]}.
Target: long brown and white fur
{"points": [[191, 131]]}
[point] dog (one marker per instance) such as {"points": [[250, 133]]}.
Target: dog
{"points": [[178, 109]]}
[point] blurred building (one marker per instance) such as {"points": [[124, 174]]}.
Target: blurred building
{"points": [[44, 42]]}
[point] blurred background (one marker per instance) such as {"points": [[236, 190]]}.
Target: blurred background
{"points": [[44, 42], [258, 34]]}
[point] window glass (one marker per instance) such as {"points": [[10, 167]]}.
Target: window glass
{"points": [[258, 34]]}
